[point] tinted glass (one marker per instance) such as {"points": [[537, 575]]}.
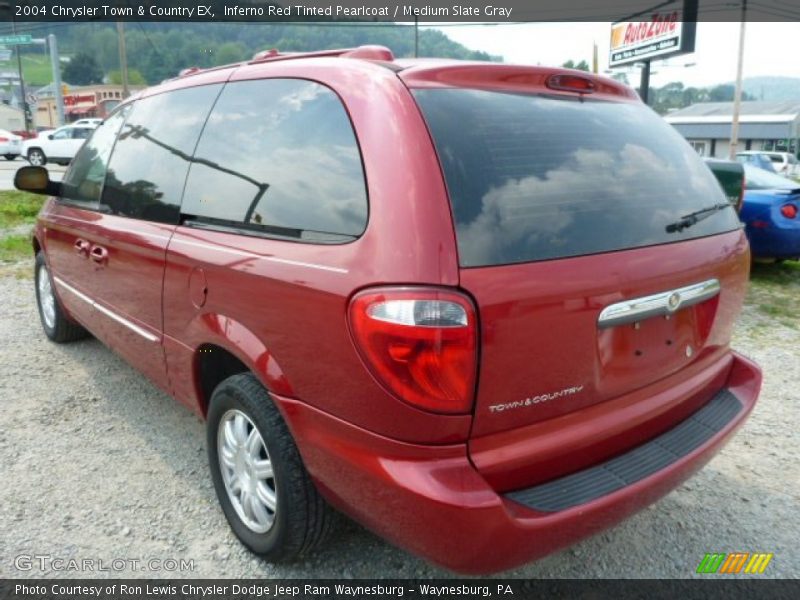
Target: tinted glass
{"points": [[83, 182], [151, 158], [81, 133], [279, 156], [538, 177]]}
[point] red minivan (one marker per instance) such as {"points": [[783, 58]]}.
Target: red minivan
{"points": [[483, 309]]}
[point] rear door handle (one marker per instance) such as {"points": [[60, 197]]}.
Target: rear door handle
{"points": [[99, 254], [82, 247]]}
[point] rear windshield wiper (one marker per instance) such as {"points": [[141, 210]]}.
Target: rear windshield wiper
{"points": [[695, 217]]}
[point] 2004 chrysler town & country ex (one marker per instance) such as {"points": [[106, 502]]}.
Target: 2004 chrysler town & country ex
{"points": [[469, 305]]}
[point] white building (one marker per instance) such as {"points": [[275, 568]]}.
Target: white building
{"points": [[762, 126], [11, 119]]}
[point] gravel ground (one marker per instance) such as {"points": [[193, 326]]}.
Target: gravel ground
{"points": [[95, 463]]}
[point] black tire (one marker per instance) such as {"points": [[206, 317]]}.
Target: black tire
{"points": [[10, 156], [62, 329], [36, 157], [302, 519]]}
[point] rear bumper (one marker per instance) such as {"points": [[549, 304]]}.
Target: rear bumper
{"points": [[432, 501], [776, 242]]}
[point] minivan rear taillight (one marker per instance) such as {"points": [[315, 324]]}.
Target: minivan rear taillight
{"points": [[420, 343]]}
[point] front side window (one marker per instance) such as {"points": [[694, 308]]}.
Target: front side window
{"points": [[148, 168], [536, 177], [83, 182], [62, 134], [278, 157]]}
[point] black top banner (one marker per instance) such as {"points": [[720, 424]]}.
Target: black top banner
{"points": [[423, 11]]}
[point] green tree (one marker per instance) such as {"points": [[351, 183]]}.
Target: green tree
{"points": [[134, 77], [581, 66], [161, 50], [229, 52], [725, 93], [621, 76], [83, 69]]}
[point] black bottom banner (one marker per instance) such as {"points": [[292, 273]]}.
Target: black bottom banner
{"points": [[306, 589]]}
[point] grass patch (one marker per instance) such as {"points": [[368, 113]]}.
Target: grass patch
{"points": [[774, 290], [15, 247], [17, 208], [36, 68], [784, 273]]}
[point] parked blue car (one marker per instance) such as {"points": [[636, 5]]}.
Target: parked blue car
{"points": [[771, 214]]}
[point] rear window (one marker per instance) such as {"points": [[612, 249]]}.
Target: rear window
{"points": [[534, 177]]}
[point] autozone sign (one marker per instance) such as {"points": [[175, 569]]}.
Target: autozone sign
{"points": [[73, 99], [664, 34]]}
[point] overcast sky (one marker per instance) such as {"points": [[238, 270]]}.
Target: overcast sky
{"points": [[770, 49]]}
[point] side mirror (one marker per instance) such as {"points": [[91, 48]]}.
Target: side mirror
{"points": [[37, 181], [50, 137]]}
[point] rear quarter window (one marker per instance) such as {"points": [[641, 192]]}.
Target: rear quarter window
{"points": [[536, 177], [279, 157]]}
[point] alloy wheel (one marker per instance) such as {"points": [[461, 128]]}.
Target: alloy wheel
{"points": [[47, 300], [247, 471]]}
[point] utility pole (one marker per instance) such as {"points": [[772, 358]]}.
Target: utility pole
{"points": [[644, 85], [25, 110], [416, 36], [737, 97], [123, 59], [55, 62]]}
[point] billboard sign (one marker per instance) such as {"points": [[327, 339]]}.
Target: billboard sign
{"points": [[665, 33]]}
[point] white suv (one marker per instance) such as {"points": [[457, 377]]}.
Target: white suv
{"points": [[785, 163], [91, 122], [59, 146]]}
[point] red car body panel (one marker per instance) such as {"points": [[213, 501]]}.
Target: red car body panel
{"points": [[433, 502], [431, 483], [512, 78], [127, 281], [540, 333]]}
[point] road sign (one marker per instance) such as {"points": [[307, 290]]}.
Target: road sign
{"points": [[32, 98], [17, 40]]}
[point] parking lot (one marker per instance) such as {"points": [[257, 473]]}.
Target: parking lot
{"points": [[9, 167], [98, 464]]}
